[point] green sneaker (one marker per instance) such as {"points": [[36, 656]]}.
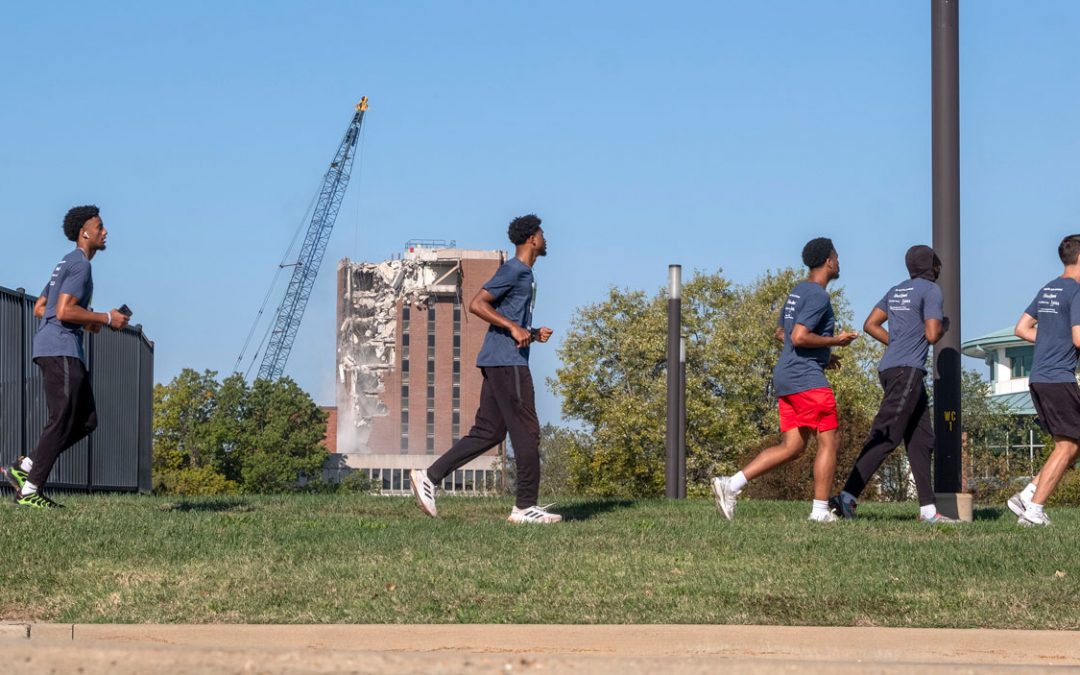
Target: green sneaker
{"points": [[36, 500], [14, 474]]}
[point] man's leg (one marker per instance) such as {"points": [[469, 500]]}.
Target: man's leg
{"points": [[1057, 464], [887, 430], [792, 444], [64, 378], [488, 430], [919, 442], [518, 405], [828, 442]]}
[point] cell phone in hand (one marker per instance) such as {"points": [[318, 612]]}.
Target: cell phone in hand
{"points": [[125, 310]]}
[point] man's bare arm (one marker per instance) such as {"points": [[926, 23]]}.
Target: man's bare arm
{"points": [[874, 326], [69, 311], [482, 307]]}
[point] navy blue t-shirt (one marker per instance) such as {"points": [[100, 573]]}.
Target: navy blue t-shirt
{"points": [[55, 337], [1057, 309], [909, 305], [514, 291], [800, 369]]}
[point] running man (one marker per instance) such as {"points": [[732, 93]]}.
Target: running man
{"points": [[1052, 322], [63, 309], [913, 310], [807, 405], [506, 396]]}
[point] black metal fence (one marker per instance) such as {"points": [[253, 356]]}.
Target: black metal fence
{"points": [[117, 455]]}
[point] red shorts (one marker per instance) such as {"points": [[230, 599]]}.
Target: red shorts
{"points": [[813, 408]]}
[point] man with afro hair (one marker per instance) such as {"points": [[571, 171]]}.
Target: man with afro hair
{"points": [[507, 401], [64, 312], [807, 405]]}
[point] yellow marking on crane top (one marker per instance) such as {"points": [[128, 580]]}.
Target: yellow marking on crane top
{"points": [[362, 105]]}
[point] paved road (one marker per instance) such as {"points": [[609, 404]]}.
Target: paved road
{"points": [[218, 648]]}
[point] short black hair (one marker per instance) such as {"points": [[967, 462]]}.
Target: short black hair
{"points": [[1069, 248], [76, 218], [817, 251], [523, 227]]}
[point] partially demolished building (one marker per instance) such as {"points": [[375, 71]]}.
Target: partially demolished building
{"points": [[407, 385]]}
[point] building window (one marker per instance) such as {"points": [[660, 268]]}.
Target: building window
{"points": [[431, 366], [405, 393], [992, 361], [1021, 358], [404, 339], [431, 395], [397, 479]]}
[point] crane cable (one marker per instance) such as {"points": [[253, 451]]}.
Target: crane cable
{"points": [[270, 291]]}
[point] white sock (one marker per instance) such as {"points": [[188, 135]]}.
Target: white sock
{"points": [[928, 511], [28, 488], [821, 507], [1034, 509], [26, 464], [737, 482], [1028, 493], [848, 497]]}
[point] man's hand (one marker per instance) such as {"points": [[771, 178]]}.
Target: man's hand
{"points": [[521, 336], [834, 363], [118, 320], [845, 338], [544, 334]]}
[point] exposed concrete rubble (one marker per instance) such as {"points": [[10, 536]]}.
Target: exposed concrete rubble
{"points": [[366, 337]]}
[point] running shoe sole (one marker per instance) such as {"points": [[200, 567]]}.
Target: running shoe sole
{"points": [[1016, 505], [420, 502]]}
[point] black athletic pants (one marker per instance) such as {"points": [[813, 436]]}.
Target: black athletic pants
{"points": [[904, 416], [72, 414], [506, 404]]}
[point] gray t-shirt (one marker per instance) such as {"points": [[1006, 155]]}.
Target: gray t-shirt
{"points": [[59, 338], [800, 369], [1057, 309], [514, 292], [909, 305]]}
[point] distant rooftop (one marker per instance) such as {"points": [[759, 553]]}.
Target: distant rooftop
{"points": [[977, 347]]}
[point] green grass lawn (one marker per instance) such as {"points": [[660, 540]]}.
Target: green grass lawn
{"points": [[361, 559]]}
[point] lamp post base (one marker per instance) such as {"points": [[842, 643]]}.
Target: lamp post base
{"points": [[959, 505]]}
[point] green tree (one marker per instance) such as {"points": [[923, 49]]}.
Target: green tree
{"points": [[215, 437], [285, 429], [613, 381]]}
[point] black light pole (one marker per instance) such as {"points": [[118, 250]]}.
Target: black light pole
{"points": [[681, 473], [946, 216], [674, 328]]}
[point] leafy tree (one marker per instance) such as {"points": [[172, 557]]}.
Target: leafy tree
{"points": [[214, 438]]}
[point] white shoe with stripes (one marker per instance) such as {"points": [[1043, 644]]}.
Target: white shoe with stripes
{"points": [[534, 514], [424, 490]]}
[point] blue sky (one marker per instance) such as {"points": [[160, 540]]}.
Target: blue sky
{"points": [[719, 135]]}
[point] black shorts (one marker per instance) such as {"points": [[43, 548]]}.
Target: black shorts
{"points": [[1058, 406]]}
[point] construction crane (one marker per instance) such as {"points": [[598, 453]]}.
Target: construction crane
{"points": [[306, 268]]}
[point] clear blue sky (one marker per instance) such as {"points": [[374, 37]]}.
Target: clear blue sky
{"points": [[720, 135]]}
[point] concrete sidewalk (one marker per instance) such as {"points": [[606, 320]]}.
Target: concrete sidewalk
{"points": [[227, 648]]}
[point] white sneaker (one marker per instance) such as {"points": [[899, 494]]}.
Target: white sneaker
{"points": [[823, 517], [725, 496], [1028, 520], [1017, 504], [534, 514], [424, 490]]}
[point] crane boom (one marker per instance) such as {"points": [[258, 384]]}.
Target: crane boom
{"points": [[306, 267]]}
